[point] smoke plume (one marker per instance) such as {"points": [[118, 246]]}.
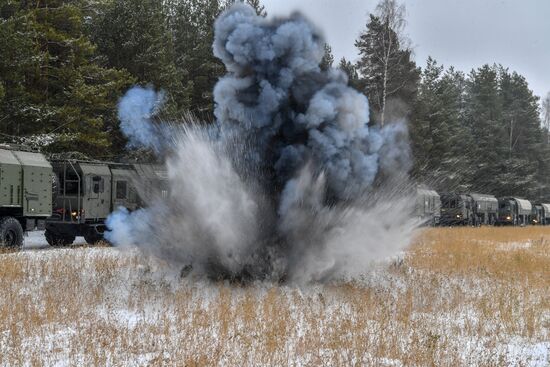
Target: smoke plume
{"points": [[290, 182]]}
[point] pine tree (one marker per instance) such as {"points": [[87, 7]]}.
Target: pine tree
{"points": [[521, 127], [256, 4], [351, 71], [19, 61], [192, 23], [439, 138], [388, 73], [483, 116], [134, 35], [53, 83], [328, 58]]}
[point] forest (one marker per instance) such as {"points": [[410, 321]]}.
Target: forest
{"points": [[64, 65]]}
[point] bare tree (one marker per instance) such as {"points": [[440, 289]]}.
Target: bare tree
{"points": [[393, 15]]}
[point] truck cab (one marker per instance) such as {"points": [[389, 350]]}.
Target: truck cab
{"points": [[484, 208], [456, 209], [88, 192], [514, 211]]}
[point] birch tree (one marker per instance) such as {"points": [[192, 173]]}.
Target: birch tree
{"points": [[546, 116], [388, 74]]}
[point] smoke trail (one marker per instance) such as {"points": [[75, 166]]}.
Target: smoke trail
{"points": [[291, 182]]}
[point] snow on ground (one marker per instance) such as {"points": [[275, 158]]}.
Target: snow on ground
{"points": [[102, 306], [36, 240]]}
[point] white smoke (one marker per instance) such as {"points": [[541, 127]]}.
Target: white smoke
{"points": [[135, 111], [291, 182]]}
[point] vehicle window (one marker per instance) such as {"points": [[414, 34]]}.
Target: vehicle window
{"points": [[68, 183], [98, 185], [121, 190]]}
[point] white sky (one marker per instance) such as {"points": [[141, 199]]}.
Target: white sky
{"points": [[462, 33]]}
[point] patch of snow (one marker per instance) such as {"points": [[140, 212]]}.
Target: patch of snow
{"points": [[36, 240]]}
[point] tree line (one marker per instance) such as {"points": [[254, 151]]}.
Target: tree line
{"points": [[65, 63]]}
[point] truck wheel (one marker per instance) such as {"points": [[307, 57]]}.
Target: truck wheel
{"points": [[92, 238], [11, 233], [55, 240]]}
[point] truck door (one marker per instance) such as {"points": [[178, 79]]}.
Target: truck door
{"points": [[97, 197], [96, 186]]}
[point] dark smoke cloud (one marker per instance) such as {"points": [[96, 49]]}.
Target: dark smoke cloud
{"points": [[276, 95], [291, 182]]}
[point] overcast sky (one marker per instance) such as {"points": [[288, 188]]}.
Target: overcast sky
{"points": [[462, 33]]}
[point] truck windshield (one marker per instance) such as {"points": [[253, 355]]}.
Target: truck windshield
{"points": [[449, 203]]}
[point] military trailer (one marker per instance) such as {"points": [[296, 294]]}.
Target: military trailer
{"points": [[428, 206], [89, 191], [25, 193], [456, 209], [484, 209], [514, 211]]}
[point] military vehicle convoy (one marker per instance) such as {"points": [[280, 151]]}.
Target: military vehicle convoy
{"points": [[479, 209], [67, 198]]}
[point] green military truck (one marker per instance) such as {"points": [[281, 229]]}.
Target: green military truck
{"points": [[25, 193], [88, 191]]}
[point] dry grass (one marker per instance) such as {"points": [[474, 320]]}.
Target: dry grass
{"points": [[458, 297]]}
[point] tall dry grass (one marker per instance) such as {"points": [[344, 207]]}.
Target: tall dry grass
{"points": [[462, 296]]}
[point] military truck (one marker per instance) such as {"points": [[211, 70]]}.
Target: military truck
{"points": [[484, 208], [88, 191], [537, 214], [456, 209], [428, 206], [514, 211], [25, 193], [545, 218]]}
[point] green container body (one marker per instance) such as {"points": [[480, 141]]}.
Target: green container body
{"points": [[25, 184]]}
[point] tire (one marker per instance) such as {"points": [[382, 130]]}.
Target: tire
{"points": [[11, 233], [55, 240], [92, 238]]}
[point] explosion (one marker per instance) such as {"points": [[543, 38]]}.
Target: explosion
{"points": [[289, 183]]}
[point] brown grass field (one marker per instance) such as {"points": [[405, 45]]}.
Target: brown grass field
{"points": [[457, 297]]}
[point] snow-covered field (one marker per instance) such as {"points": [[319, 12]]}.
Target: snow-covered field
{"points": [[458, 297]]}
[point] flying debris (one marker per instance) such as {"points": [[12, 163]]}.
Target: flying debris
{"points": [[290, 182]]}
